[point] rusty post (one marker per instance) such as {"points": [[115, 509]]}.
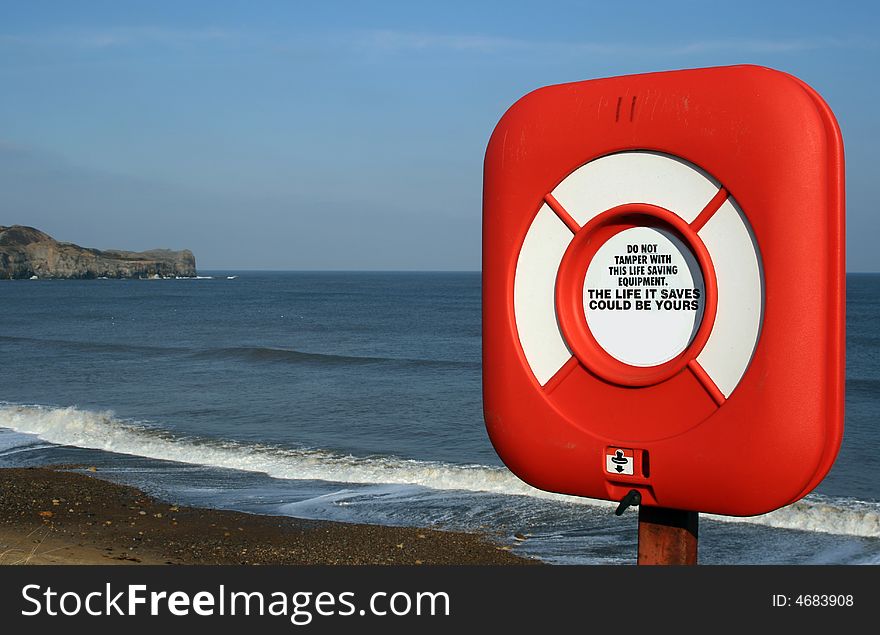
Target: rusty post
{"points": [[667, 536]]}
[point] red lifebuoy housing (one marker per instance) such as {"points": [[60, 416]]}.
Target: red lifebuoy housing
{"points": [[663, 289]]}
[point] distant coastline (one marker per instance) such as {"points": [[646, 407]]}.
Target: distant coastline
{"points": [[26, 252]]}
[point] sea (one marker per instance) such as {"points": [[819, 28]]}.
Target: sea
{"points": [[355, 397]]}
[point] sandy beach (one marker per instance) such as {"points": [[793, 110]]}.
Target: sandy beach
{"points": [[54, 516]]}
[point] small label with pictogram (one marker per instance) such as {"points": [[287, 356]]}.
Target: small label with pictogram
{"points": [[619, 461]]}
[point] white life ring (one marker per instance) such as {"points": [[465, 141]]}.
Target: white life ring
{"points": [[667, 182]]}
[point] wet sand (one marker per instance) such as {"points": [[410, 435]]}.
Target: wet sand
{"points": [[52, 516]]}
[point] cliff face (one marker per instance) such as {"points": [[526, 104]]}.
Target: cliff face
{"points": [[26, 252]]}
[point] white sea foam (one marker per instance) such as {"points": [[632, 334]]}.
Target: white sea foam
{"points": [[818, 513], [104, 431]]}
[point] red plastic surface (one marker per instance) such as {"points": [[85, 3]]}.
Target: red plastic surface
{"points": [[775, 147]]}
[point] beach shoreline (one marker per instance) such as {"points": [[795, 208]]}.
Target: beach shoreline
{"points": [[57, 516]]}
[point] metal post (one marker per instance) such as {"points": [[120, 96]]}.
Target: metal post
{"points": [[667, 536]]}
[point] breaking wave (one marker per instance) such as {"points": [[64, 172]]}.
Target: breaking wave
{"points": [[103, 431]]}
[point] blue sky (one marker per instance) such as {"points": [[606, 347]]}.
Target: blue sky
{"points": [[350, 135]]}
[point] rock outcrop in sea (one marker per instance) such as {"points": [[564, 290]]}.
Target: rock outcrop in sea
{"points": [[26, 252]]}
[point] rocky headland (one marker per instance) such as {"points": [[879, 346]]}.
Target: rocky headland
{"points": [[26, 252]]}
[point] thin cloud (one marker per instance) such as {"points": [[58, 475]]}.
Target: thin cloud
{"points": [[120, 37], [402, 41], [393, 42]]}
